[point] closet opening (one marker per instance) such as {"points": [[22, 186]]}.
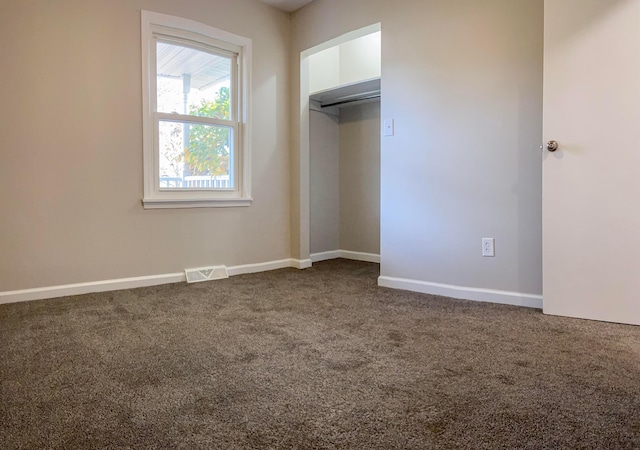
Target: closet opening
{"points": [[343, 92]]}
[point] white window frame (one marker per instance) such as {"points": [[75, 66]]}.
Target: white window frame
{"points": [[156, 26]]}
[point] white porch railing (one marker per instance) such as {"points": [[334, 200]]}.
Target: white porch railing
{"points": [[196, 182]]}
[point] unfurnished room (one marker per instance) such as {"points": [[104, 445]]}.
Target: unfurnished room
{"points": [[320, 224]]}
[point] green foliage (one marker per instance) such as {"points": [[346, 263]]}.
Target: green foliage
{"points": [[209, 146]]}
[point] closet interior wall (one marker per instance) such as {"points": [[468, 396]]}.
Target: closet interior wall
{"points": [[345, 179]]}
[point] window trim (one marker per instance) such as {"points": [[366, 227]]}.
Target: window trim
{"points": [[179, 29]]}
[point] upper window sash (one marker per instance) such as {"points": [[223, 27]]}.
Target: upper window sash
{"points": [[235, 82]]}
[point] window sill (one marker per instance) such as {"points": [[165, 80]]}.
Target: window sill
{"points": [[177, 203]]}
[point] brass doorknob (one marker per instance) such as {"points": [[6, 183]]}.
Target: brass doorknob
{"points": [[552, 146]]}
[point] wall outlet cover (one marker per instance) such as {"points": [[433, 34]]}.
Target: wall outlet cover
{"points": [[488, 247]]}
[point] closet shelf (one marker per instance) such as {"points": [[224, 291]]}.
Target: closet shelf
{"points": [[348, 94]]}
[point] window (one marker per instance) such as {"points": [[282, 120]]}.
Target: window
{"points": [[195, 82]]}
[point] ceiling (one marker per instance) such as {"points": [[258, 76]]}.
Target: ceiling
{"points": [[204, 69], [287, 5]]}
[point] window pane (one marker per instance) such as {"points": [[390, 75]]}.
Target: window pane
{"points": [[195, 156], [192, 82]]}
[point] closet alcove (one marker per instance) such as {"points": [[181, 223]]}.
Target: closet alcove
{"points": [[344, 150]]}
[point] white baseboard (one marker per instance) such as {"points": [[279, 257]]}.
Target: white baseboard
{"points": [[486, 295], [360, 256], [136, 282], [347, 254], [259, 267], [25, 295], [301, 263], [464, 293], [324, 256]]}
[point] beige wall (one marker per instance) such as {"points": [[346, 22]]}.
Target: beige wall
{"points": [[324, 192], [346, 63], [324, 69], [360, 59], [360, 178], [71, 146], [463, 81]]}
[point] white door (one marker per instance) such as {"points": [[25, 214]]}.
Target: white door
{"points": [[591, 187]]}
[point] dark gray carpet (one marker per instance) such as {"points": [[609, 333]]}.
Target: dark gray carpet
{"points": [[320, 358]]}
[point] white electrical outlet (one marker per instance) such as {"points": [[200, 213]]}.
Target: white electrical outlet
{"points": [[488, 247]]}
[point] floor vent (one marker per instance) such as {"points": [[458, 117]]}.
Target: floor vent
{"points": [[206, 274]]}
